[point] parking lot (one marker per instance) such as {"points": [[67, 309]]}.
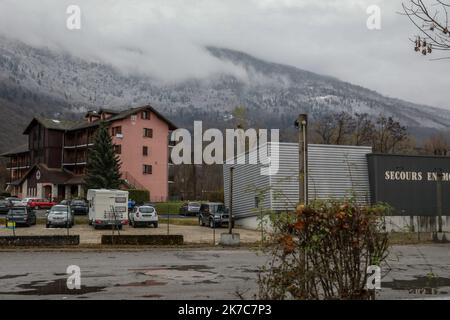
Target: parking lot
{"points": [[200, 273], [192, 234]]}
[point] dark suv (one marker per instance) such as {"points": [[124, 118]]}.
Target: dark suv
{"points": [[79, 206], [213, 214], [21, 216], [5, 205]]}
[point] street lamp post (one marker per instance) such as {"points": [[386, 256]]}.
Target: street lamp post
{"points": [[302, 125], [230, 213], [439, 200]]}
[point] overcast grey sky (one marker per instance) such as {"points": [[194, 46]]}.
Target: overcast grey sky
{"points": [[165, 38]]}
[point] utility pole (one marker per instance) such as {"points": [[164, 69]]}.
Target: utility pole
{"points": [[168, 219], [439, 200], [302, 125], [230, 215]]}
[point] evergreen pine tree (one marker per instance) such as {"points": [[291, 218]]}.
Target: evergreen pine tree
{"points": [[103, 166]]}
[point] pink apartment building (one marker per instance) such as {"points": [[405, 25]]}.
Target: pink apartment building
{"points": [[53, 163]]}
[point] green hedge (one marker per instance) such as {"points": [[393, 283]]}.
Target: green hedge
{"points": [[53, 240], [151, 239], [171, 207], [139, 196]]}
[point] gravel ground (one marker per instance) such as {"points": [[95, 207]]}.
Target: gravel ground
{"points": [[88, 235]]}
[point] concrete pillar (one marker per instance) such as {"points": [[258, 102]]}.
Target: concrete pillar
{"points": [[24, 188], [67, 191], [54, 191], [39, 190]]}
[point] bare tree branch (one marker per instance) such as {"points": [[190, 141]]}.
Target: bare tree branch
{"points": [[431, 19]]}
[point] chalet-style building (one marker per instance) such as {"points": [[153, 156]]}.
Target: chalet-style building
{"points": [[53, 163]]}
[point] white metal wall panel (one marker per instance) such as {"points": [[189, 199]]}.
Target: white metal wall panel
{"points": [[248, 182], [338, 172], [335, 171], [284, 184]]}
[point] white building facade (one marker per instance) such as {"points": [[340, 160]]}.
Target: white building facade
{"points": [[334, 172]]}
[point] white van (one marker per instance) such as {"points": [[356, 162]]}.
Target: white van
{"points": [[107, 207]]}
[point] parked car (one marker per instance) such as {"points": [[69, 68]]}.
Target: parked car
{"points": [[66, 202], [143, 216], [213, 214], [37, 204], [24, 201], [22, 216], [79, 206], [5, 205], [60, 216], [190, 209], [14, 201]]}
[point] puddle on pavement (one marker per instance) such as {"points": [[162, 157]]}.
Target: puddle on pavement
{"points": [[188, 267], [54, 287], [154, 296], [146, 283], [86, 275], [241, 278], [183, 274], [207, 281], [13, 276], [420, 285], [189, 256]]}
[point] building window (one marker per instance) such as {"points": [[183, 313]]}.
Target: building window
{"points": [[145, 115], [118, 148], [145, 151], [148, 133], [147, 169], [116, 130]]}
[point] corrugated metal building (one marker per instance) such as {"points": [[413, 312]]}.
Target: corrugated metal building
{"points": [[335, 171]]}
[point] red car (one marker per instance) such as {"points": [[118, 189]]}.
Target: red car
{"points": [[40, 204]]}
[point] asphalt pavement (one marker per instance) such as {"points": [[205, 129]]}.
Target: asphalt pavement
{"points": [[412, 272]]}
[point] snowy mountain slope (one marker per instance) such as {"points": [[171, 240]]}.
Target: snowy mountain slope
{"points": [[40, 81]]}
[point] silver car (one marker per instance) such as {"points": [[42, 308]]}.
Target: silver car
{"points": [[60, 216], [14, 201]]}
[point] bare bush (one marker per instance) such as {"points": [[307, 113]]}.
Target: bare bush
{"points": [[322, 251]]}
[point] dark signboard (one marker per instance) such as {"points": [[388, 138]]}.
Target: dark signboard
{"points": [[409, 183]]}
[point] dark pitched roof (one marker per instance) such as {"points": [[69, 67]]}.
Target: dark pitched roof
{"points": [[54, 124], [68, 125], [125, 114], [20, 149], [53, 175], [100, 111], [76, 179], [106, 110]]}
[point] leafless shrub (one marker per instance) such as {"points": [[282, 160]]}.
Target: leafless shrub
{"points": [[322, 251]]}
